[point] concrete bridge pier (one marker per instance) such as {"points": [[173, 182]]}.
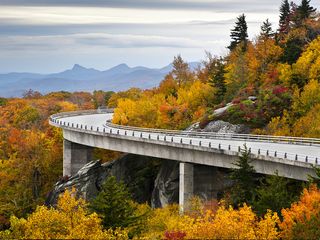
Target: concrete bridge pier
{"points": [[75, 156], [185, 184]]}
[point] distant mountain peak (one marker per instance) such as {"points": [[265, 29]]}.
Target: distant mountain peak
{"points": [[122, 65], [78, 78], [121, 68], [77, 67]]}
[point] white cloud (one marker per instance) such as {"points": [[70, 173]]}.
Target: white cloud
{"points": [[94, 15], [97, 40], [49, 33]]}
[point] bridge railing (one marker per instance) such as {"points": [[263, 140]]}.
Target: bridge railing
{"points": [[80, 112], [203, 139], [207, 135], [228, 136]]}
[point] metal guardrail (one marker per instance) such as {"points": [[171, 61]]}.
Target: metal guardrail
{"points": [[192, 138], [80, 112], [229, 136]]}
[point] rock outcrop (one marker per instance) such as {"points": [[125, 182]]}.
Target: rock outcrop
{"points": [[219, 126], [137, 172], [151, 180], [225, 127], [166, 186]]}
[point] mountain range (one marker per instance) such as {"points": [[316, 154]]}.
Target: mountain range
{"points": [[79, 78]]}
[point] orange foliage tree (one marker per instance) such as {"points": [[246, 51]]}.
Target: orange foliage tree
{"points": [[302, 219]]}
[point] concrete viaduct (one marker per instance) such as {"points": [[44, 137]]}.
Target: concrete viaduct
{"points": [[84, 130]]}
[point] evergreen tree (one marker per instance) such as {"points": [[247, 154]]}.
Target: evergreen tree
{"points": [[309, 229], [273, 194], [217, 78], [284, 16], [305, 10], [266, 29], [114, 205], [3, 101], [244, 177], [239, 34]]}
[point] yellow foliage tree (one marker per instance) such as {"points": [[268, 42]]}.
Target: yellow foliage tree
{"points": [[70, 220], [225, 223], [308, 65], [309, 97], [308, 125], [285, 73], [279, 126], [228, 223], [303, 120], [124, 111], [163, 108]]}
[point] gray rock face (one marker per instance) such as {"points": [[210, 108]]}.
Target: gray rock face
{"points": [[166, 186], [209, 183], [87, 182], [225, 127], [138, 172], [193, 127], [219, 126], [220, 111], [151, 180]]}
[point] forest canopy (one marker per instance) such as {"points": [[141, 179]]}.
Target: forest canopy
{"points": [[272, 85]]}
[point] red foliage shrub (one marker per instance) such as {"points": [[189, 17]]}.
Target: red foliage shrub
{"points": [[277, 90], [174, 235]]}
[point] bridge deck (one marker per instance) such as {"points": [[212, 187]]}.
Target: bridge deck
{"points": [[290, 151]]}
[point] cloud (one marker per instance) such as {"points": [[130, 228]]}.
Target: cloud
{"points": [[212, 5], [96, 40], [141, 41], [50, 33]]}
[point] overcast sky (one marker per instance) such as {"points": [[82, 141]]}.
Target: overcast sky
{"points": [[51, 35]]}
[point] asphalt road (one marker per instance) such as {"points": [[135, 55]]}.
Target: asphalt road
{"points": [[291, 150]]}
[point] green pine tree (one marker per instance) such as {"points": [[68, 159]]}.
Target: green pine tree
{"points": [[217, 78], [273, 194], [3, 101], [266, 30], [305, 10], [114, 205], [244, 177], [239, 34], [284, 19], [308, 229]]}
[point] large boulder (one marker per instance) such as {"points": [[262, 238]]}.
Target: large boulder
{"points": [[225, 127], [219, 126], [209, 183], [87, 182], [166, 186], [137, 172], [151, 180]]}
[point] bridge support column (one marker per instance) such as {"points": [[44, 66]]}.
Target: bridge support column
{"points": [[185, 185], [75, 156]]}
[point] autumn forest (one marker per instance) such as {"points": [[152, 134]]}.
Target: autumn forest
{"points": [[280, 68]]}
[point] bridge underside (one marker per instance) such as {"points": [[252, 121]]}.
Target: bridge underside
{"points": [[173, 151], [78, 148], [78, 151]]}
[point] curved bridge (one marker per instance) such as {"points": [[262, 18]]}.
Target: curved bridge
{"points": [[83, 130]]}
